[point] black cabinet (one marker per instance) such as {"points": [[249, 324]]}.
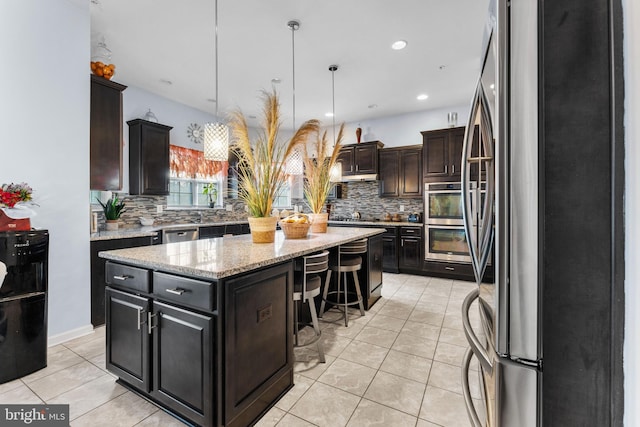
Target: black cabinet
{"points": [[360, 159], [442, 154], [410, 256], [105, 134], [390, 250], [98, 271], [183, 361], [258, 347], [210, 231], [164, 351], [127, 351], [401, 172], [148, 158]]}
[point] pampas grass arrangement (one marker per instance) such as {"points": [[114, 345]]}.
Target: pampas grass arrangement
{"points": [[318, 164], [261, 166]]}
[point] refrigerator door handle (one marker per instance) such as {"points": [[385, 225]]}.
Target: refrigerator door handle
{"points": [[466, 390], [477, 347]]}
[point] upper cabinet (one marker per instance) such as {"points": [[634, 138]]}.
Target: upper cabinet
{"points": [[105, 159], [148, 158], [442, 151], [401, 172], [359, 159]]}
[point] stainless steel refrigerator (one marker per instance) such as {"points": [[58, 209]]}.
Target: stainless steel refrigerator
{"points": [[544, 155]]}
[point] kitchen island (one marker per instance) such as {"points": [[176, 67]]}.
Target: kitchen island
{"points": [[205, 328]]}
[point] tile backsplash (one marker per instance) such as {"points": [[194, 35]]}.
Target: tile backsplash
{"points": [[360, 196]]}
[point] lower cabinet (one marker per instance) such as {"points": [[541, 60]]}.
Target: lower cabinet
{"points": [[98, 270], [211, 363], [162, 350], [390, 250], [410, 257]]}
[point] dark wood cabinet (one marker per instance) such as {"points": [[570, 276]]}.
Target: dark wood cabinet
{"points": [[401, 172], [105, 135], [127, 340], [183, 361], [390, 250], [442, 154], [148, 158], [410, 251], [360, 159], [258, 352], [98, 271]]}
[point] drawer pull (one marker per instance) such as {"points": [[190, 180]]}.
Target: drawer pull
{"points": [[123, 277], [176, 291], [449, 268]]}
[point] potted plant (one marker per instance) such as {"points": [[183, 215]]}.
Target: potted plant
{"points": [[211, 190], [318, 184], [261, 164], [113, 208]]}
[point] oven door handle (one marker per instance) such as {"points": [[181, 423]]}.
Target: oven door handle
{"points": [[466, 390]]}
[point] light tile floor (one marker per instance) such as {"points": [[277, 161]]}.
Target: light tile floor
{"points": [[399, 365]]}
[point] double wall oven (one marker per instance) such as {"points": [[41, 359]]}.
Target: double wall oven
{"points": [[445, 238]]}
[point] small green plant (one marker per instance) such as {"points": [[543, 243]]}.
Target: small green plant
{"points": [[113, 208], [211, 190]]}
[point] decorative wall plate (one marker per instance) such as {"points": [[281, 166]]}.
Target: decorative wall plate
{"points": [[195, 133]]}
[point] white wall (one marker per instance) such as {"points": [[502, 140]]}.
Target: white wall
{"points": [[631, 44], [44, 120], [404, 129]]}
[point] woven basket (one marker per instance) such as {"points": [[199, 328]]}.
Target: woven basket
{"points": [[295, 230]]}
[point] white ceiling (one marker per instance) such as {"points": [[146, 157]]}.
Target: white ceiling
{"points": [[152, 40]]}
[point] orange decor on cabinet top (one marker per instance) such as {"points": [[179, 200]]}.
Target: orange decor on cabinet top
{"points": [[189, 163]]}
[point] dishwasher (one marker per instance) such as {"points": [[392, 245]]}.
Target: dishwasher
{"points": [[179, 235]]}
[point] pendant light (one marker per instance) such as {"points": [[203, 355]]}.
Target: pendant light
{"points": [[294, 164], [336, 170], [216, 135]]}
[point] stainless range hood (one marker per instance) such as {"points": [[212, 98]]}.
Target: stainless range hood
{"points": [[365, 177]]}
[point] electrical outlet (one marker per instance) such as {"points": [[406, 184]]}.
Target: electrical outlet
{"points": [[401, 208], [229, 208], [159, 209]]}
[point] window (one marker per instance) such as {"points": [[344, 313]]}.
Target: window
{"points": [[189, 192], [283, 198]]}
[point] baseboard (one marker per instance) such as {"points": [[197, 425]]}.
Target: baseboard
{"points": [[69, 335]]}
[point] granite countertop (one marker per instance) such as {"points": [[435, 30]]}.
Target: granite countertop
{"points": [[152, 230], [380, 223], [228, 256]]}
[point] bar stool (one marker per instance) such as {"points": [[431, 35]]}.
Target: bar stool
{"points": [[307, 286], [349, 261]]}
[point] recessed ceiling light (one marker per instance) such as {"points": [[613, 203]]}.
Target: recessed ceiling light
{"points": [[492, 86], [422, 97], [276, 81], [167, 82], [329, 114], [372, 106], [398, 45]]}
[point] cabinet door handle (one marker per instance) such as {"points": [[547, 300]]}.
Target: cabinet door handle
{"points": [[453, 168], [123, 277], [402, 242], [139, 318], [176, 291], [357, 167], [449, 268], [150, 321]]}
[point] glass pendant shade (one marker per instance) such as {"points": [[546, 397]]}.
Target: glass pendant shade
{"points": [[216, 142], [335, 174], [294, 164]]}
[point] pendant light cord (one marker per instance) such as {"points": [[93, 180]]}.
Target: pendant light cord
{"points": [[294, 26], [333, 69], [216, 65]]}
